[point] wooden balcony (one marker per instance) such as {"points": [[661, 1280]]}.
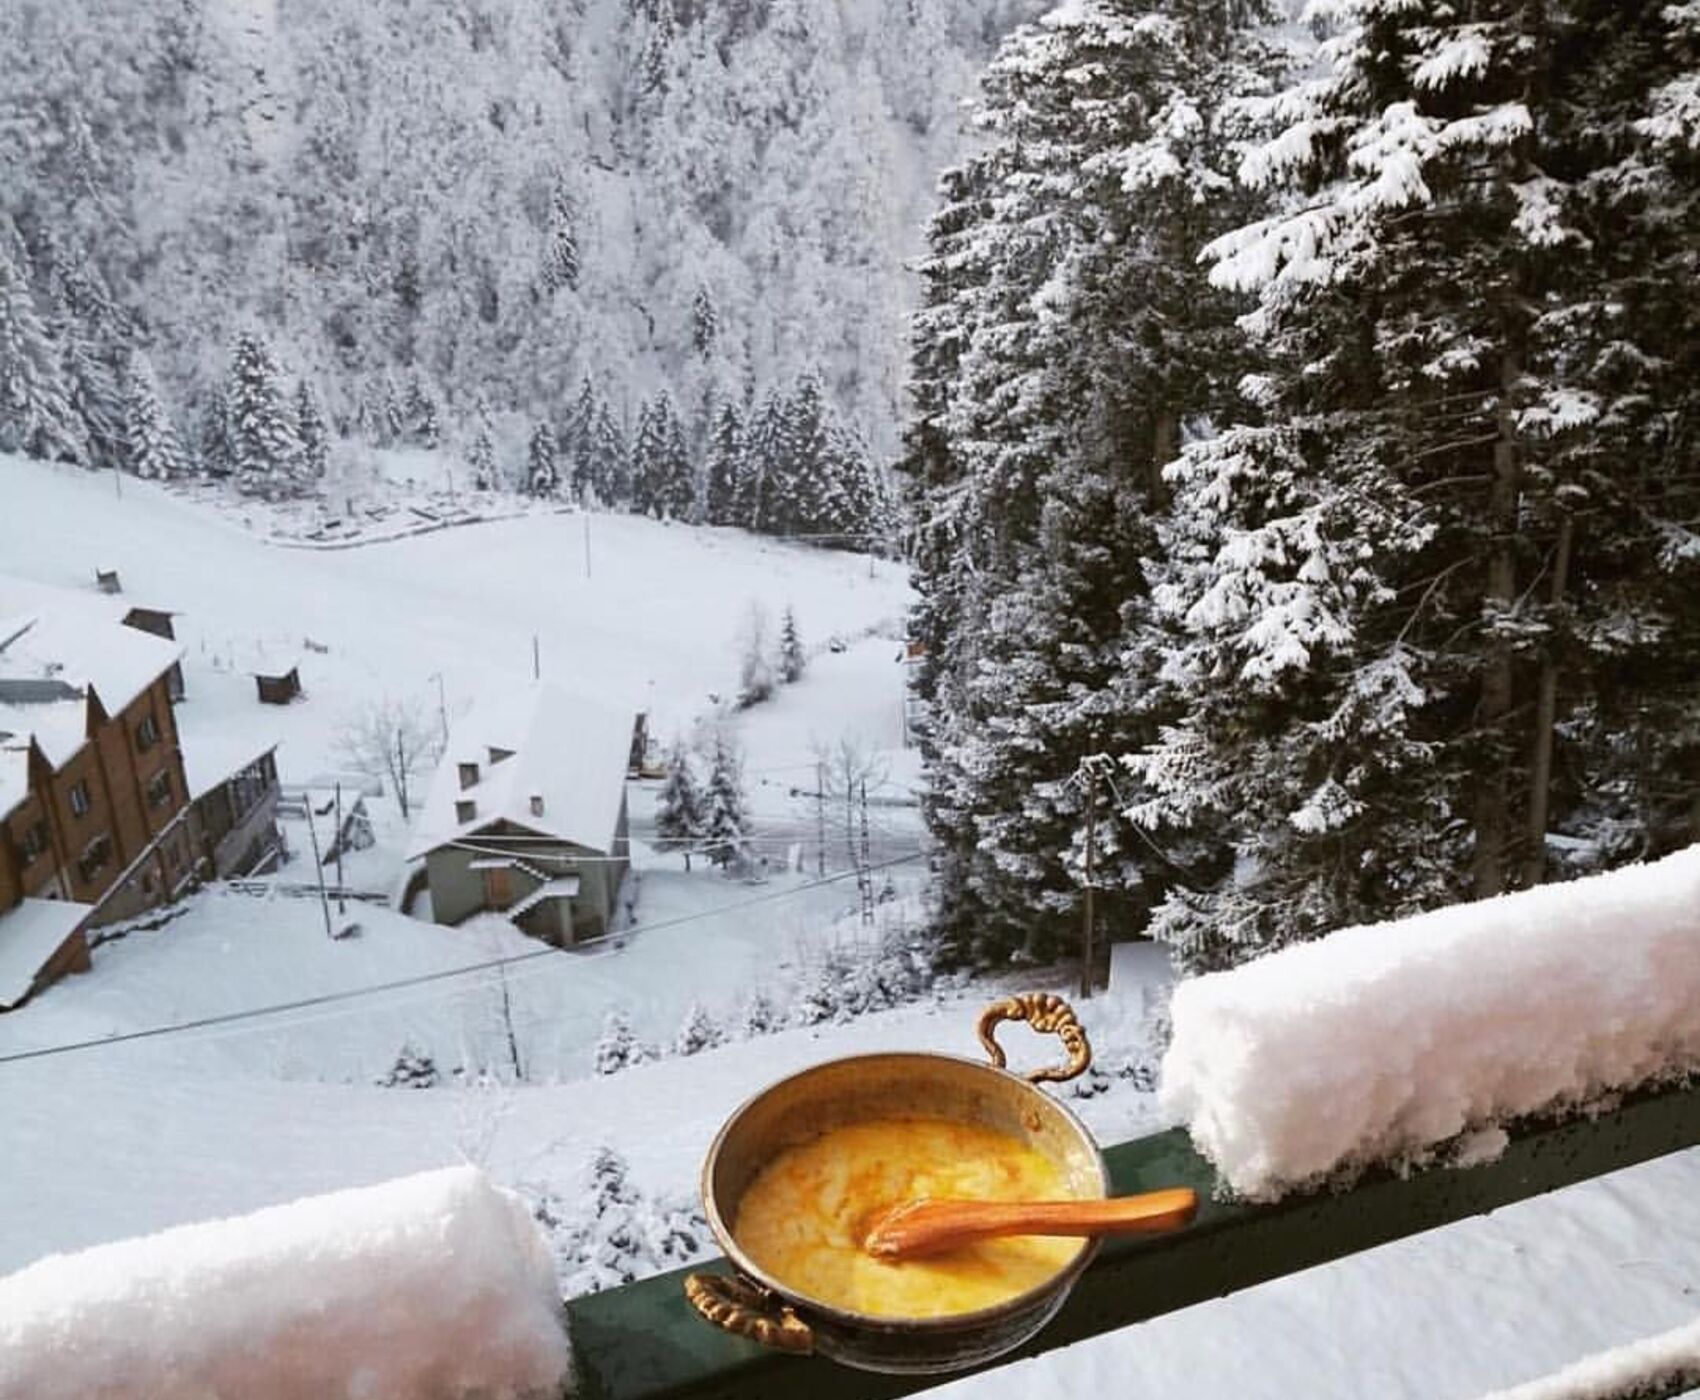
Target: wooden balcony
{"points": [[643, 1342]]}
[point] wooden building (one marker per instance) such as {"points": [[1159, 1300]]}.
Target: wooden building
{"points": [[526, 815], [96, 811]]}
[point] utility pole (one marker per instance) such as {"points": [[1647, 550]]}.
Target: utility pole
{"points": [[319, 865], [820, 819], [341, 887], [536, 659], [1087, 950], [865, 872], [442, 710]]}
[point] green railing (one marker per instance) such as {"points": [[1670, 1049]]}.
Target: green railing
{"points": [[643, 1342]]}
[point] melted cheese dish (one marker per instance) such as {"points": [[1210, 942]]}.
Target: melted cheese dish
{"points": [[804, 1217]]}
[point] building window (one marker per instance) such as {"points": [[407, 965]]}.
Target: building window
{"points": [[35, 842], [94, 857], [465, 810], [147, 733], [159, 788], [468, 774], [79, 797]]}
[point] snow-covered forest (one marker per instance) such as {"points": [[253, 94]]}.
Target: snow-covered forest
{"points": [[1309, 427], [650, 251]]}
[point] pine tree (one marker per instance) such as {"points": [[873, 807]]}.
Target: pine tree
{"points": [[560, 248], [580, 444], [413, 1069], [652, 463], [725, 830], [310, 428], [679, 807], [481, 457], [705, 323], [36, 417], [612, 464], [676, 482], [759, 1016], [617, 1048], [1067, 333], [263, 442], [541, 477], [92, 391], [763, 477], [792, 660], [725, 467], [214, 447], [699, 1032], [421, 427], [152, 448]]}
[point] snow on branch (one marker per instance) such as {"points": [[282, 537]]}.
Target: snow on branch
{"points": [[431, 1287], [1385, 1042]]}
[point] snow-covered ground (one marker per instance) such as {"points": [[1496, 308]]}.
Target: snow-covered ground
{"points": [[120, 1139]]}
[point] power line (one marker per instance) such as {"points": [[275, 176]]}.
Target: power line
{"points": [[354, 994]]}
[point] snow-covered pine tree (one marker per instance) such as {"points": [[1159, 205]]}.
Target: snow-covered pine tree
{"points": [[213, 445], [758, 1015], [698, 1032], [92, 336], [725, 828], [725, 464], [612, 462], [481, 456], [413, 1069], [649, 454], [579, 444], [560, 243], [804, 499], [680, 806], [263, 443], [705, 323], [1453, 388], [1067, 334], [542, 478], [617, 1047], [36, 417], [793, 661], [760, 502], [420, 425], [315, 438], [676, 485], [152, 448]]}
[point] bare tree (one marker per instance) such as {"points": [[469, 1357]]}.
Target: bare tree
{"points": [[391, 739]]}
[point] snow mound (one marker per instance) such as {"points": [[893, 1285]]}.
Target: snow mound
{"points": [[1381, 1042], [436, 1285]]}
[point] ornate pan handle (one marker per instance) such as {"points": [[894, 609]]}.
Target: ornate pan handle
{"points": [[737, 1305], [1045, 1012]]}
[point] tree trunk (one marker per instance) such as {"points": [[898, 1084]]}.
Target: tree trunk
{"points": [[1546, 713], [1497, 680], [1165, 441]]}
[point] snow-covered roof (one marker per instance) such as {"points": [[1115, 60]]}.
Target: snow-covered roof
{"points": [[55, 646], [30, 933], [208, 762], [562, 748]]}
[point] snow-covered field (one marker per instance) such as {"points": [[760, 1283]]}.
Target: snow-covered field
{"points": [[130, 1137]]}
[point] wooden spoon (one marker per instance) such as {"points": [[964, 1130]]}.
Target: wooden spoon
{"points": [[927, 1226]]}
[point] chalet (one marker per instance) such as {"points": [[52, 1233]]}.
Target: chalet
{"points": [[97, 816], [526, 815]]}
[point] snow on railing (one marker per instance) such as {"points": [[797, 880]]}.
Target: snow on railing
{"points": [[436, 1285], [1668, 1364], [1389, 1042]]}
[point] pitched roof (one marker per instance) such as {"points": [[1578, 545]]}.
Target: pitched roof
{"points": [[56, 646], [569, 751], [30, 933]]}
